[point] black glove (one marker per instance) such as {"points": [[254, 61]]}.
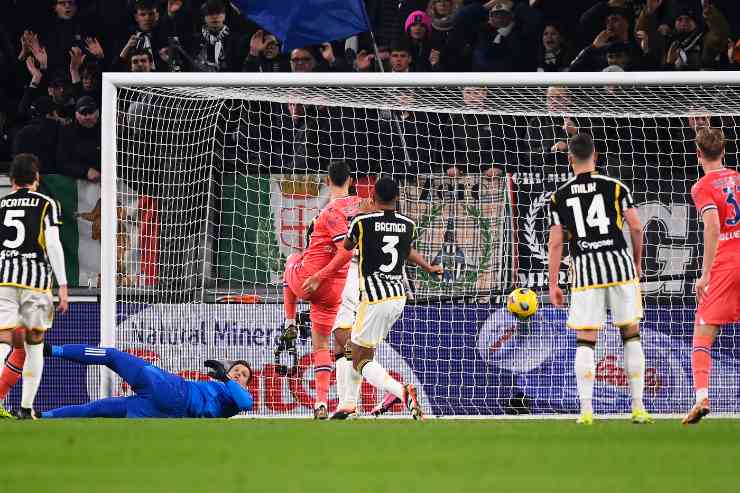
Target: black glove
{"points": [[218, 371]]}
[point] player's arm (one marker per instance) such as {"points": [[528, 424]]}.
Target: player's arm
{"points": [[242, 397], [416, 258], [554, 257], [55, 252], [341, 258], [711, 242], [635, 227]]}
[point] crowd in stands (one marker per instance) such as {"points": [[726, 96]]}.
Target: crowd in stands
{"points": [[53, 52]]}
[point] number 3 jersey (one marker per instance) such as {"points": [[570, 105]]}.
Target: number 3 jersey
{"points": [[720, 190], [590, 207], [384, 242], [23, 257]]}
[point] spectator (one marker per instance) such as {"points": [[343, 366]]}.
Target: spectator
{"points": [[616, 32], [442, 15], [409, 141], [690, 46], [85, 76], [505, 43], [400, 57], [78, 151], [68, 29], [141, 61], [40, 135], [418, 27], [62, 103], [5, 139], [178, 20], [332, 62], [555, 53], [216, 48], [594, 17], [264, 54], [149, 35], [478, 142], [548, 135], [302, 60]]}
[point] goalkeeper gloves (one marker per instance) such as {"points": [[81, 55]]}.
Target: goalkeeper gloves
{"points": [[218, 371]]}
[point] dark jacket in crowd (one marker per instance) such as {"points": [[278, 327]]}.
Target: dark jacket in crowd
{"points": [[60, 36], [40, 137], [515, 52], [78, 150]]}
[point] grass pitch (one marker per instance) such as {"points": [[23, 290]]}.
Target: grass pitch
{"points": [[222, 456]]}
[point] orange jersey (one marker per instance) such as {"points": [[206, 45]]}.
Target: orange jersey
{"points": [[720, 190], [329, 227]]}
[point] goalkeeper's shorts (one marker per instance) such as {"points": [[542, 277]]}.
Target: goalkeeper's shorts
{"points": [[721, 303], [324, 302]]}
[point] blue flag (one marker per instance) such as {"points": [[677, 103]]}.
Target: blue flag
{"points": [[299, 23]]}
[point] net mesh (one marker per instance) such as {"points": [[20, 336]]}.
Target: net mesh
{"points": [[217, 185]]}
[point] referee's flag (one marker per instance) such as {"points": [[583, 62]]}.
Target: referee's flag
{"points": [[299, 23]]}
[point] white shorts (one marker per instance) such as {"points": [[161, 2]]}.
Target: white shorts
{"points": [[350, 298], [375, 319], [588, 307], [20, 307]]}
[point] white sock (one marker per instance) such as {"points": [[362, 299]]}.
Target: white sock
{"points": [[354, 380], [379, 378], [585, 371], [343, 367], [701, 394], [32, 370], [5, 350], [634, 363], [289, 322]]}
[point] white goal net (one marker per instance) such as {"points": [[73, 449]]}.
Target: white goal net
{"points": [[211, 185]]}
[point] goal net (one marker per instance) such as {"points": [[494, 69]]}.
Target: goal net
{"points": [[209, 184]]}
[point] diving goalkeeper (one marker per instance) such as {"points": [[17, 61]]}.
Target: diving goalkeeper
{"points": [[159, 394]]}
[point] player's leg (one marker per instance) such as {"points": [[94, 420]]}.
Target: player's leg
{"points": [[625, 304], [321, 359], [374, 321], [112, 407], [586, 316], [128, 367], [720, 305], [9, 320], [37, 314], [348, 380], [290, 281], [701, 369], [13, 367]]}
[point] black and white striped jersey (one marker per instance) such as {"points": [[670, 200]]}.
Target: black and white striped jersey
{"points": [[24, 217], [590, 207], [384, 242]]}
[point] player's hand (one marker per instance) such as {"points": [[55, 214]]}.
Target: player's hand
{"points": [[602, 39], [702, 285], [436, 271], [63, 294], [218, 371], [311, 284], [556, 295]]}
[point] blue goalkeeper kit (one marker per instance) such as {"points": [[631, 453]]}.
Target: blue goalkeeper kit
{"points": [[159, 394]]}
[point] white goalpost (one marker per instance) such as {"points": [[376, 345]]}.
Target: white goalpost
{"points": [[209, 182]]}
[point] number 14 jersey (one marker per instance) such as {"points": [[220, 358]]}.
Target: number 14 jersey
{"points": [[590, 207]]}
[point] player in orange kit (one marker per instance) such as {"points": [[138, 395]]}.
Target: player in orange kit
{"points": [[324, 263], [717, 198]]}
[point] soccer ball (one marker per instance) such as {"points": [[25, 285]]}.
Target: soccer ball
{"points": [[522, 303]]}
